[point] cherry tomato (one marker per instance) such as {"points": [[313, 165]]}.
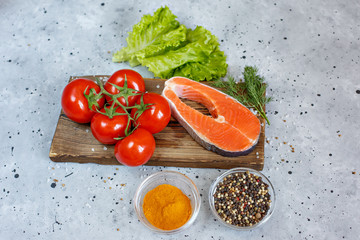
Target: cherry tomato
{"points": [[105, 129], [134, 81], [74, 103], [136, 149], [157, 116]]}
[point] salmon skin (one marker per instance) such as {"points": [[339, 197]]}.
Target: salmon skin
{"points": [[231, 130]]}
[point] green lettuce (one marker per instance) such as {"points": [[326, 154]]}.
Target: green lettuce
{"points": [[213, 68], [153, 35], [169, 49]]}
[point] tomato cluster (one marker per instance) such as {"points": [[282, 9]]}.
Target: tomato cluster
{"points": [[119, 112]]}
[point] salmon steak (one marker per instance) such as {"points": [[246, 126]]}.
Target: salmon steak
{"points": [[231, 130]]}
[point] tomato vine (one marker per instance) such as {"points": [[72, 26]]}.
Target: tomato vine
{"points": [[110, 112]]}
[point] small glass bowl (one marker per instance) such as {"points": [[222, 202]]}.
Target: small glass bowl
{"points": [[179, 180], [237, 170]]}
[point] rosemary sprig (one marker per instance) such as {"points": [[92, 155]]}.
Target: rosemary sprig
{"points": [[251, 93]]}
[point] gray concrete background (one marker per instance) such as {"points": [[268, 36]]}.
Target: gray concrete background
{"points": [[308, 52]]}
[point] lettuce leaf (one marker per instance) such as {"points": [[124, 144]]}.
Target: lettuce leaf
{"points": [[214, 68], [164, 65], [196, 60], [168, 49], [151, 36]]}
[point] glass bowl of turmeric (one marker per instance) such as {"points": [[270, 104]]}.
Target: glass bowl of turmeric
{"points": [[167, 202]]}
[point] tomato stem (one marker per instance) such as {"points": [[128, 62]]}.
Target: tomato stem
{"points": [[124, 92], [141, 108], [110, 110], [92, 97]]}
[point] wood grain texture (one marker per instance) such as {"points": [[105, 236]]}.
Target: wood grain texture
{"points": [[74, 142]]}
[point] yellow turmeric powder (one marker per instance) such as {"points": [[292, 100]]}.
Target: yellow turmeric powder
{"points": [[167, 207]]}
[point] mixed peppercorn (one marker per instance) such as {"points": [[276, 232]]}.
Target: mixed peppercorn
{"points": [[242, 199]]}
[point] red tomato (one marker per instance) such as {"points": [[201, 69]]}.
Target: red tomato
{"points": [[136, 149], [134, 81], [74, 103], [105, 129], [157, 116]]}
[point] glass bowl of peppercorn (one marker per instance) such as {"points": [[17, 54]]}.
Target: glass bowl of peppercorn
{"points": [[242, 198], [167, 202]]}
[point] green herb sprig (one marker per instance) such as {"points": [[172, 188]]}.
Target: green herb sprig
{"points": [[252, 93]]}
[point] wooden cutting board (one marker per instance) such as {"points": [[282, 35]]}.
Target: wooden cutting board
{"points": [[74, 142]]}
